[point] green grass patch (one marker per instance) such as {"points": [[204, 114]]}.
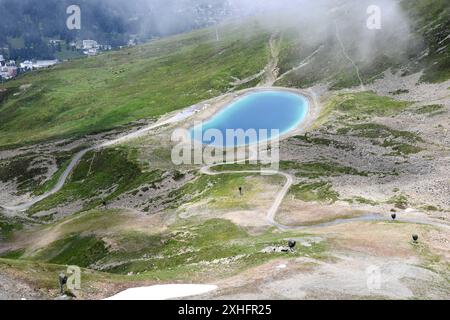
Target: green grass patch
{"points": [[401, 142], [362, 200], [63, 159], [204, 185], [15, 254], [429, 109], [367, 104], [202, 247], [6, 93], [44, 276], [76, 250], [240, 167], [222, 191], [112, 170], [186, 250], [319, 191], [359, 106], [402, 149], [313, 170], [322, 142], [48, 185], [399, 201], [430, 208], [23, 171], [8, 226], [375, 131]]}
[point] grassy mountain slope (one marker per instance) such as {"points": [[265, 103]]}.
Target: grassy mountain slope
{"points": [[95, 94], [110, 241], [433, 24], [355, 141], [423, 44]]}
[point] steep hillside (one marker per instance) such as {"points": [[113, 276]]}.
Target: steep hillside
{"points": [[27, 25], [432, 24], [352, 55], [95, 94], [369, 169]]}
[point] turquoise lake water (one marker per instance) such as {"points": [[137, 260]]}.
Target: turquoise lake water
{"points": [[267, 110]]}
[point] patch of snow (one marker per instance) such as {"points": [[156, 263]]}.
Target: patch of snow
{"points": [[163, 292]]}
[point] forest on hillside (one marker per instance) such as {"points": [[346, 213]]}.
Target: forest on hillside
{"points": [[27, 25]]}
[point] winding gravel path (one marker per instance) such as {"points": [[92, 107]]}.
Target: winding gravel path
{"points": [[76, 159], [58, 186], [272, 212]]}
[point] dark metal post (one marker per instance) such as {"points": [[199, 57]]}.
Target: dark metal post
{"points": [[62, 282], [292, 244]]}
